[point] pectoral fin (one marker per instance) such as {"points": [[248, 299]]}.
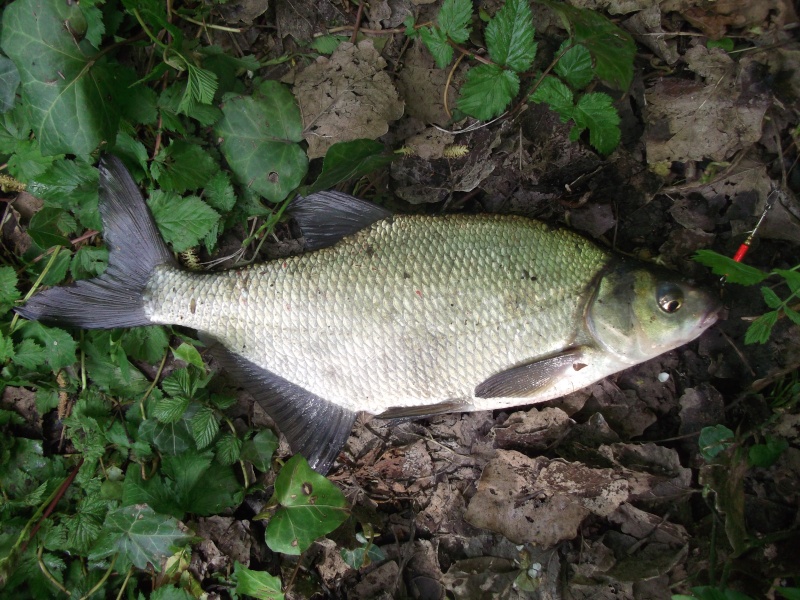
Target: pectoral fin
{"points": [[315, 427], [528, 379]]}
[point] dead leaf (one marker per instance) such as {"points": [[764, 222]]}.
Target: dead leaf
{"points": [[421, 86], [377, 584], [645, 27], [346, 97], [534, 430]]}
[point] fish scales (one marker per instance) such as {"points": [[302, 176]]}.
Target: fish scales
{"points": [[408, 312], [399, 316]]}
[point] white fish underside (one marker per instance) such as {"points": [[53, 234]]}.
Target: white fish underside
{"points": [[408, 312]]}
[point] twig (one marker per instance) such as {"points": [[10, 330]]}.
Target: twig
{"points": [[360, 12], [447, 85]]}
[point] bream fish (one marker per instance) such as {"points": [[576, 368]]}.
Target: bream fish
{"points": [[399, 316]]}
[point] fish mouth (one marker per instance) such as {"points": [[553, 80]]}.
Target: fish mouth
{"points": [[712, 315]]}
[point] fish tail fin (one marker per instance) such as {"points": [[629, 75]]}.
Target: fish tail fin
{"points": [[115, 298]]}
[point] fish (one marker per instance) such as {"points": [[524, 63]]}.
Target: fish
{"points": [[400, 316]]}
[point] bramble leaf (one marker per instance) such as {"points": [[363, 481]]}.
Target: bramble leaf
{"points": [[596, 112], [436, 41], [218, 192], [759, 330], [454, 19], [770, 297], [229, 449], [509, 36], [8, 288], [487, 91], [557, 95], [310, 507], [350, 160], [183, 221], [182, 166], [733, 271], [59, 347], [204, 427], [792, 279], [575, 65], [260, 135], [258, 584]]}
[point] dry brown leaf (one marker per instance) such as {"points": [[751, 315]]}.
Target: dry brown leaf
{"points": [[346, 97]]}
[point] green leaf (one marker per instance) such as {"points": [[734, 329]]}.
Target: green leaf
{"points": [[733, 271], [71, 185], [362, 556], [310, 507], [454, 19], [259, 449], [58, 345], [171, 409], [88, 262], [759, 330], [180, 383], [182, 221], [327, 44], [557, 95], [724, 43], [171, 438], [575, 65], [770, 297], [596, 112], [189, 354], [487, 91], [29, 355], [65, 84], [260, 140], [205, 425], [219, 192], [8, 288], [9, 82], [140, 535], [258, 584], [714, 440], [28, 162], [229, 449], [792, 279], [350, 160], [509, 36], [44, 228], [145, 343], [793, 315], [789, 593], [169, 592], [436, 41], [765, 455], [612, 48], [6, 349], [200, 88], [182, 166], [95, 28]]}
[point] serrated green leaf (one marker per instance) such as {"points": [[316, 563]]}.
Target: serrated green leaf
{"points": [[170, 592], [436, 42], [258, 584], [770, 297], [612, 48], [140, 535], [182, 166], [454, 19], [182, 221], [792, 279], [58, 345], [229, 449], [759, 330], [28, 162], [9, 82], [180, 383], [260, 140], [6, 349], [487, 91], [29, 355], [171, 438], [44, 228], [557, 95], [219, 193], [310, 507], [733, 271], [724, 43], [200, 88], [327, 44], [596, 112], [189, 354], [793, 315], [259, 449], [95, 28], [350, 160], [145, 343], [509, 36], [8, 288], [88, 262], [71, 185], [65, 84], [205, 426], [408, 23], [575, 65], [171, 409]]}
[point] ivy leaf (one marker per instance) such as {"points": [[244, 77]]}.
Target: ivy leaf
{"points": [[140, 535], [557, 95], [596, 112], [310, 507], [258, 584], [734, 272], [765, 455], [189, 354], [9, 82], [89, 262], [714, 440], [8, 288], [182, 166], [260, 139], [65, 84], [509, 36], [183, 221], [170, 438], [759, 330], [487, 91], [349, 160], [259, 449], [44, 228], [575, 65], [436, 41], [454, 20]]}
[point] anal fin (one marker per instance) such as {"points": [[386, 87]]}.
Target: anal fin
{"points": [[315, 427], [526, 380], [408, 413]]}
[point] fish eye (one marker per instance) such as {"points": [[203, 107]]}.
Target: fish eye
{"points": [[669, 297]]}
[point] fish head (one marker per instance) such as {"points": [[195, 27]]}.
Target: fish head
{"points": [[640, 311]]}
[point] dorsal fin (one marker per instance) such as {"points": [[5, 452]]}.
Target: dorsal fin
{"points": [[326, 217]]}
